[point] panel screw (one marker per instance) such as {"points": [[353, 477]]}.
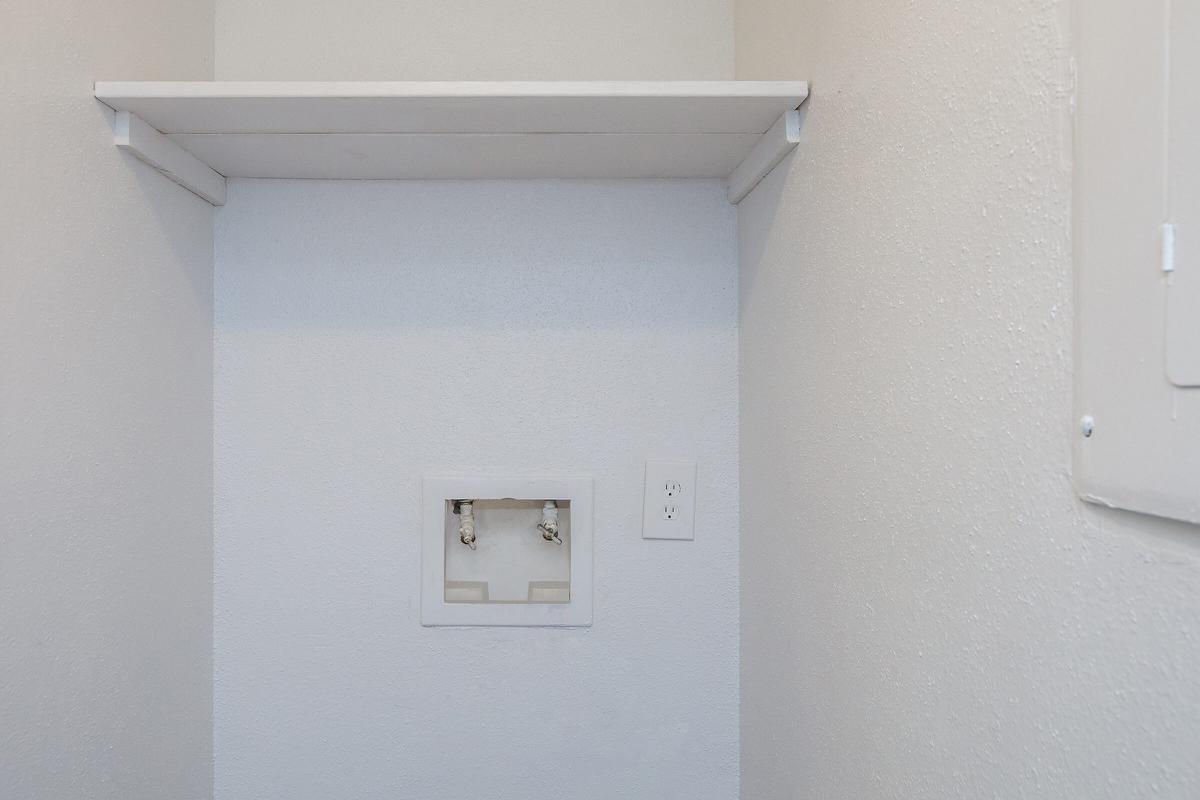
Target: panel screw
{"points": [[1087, 425]]}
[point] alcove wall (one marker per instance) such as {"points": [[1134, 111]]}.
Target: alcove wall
{"points": [[940, 616], [105, 418], [370, 333]]}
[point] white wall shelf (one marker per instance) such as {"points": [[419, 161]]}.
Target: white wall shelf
{"points": [[430, 130]]}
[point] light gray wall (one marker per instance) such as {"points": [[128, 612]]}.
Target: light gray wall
{"points": [[474, 39], [371, 332], [105, 418], [927, 608]]}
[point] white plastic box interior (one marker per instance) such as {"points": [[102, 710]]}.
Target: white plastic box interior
{"points": [[511, 563], [513, 575]]}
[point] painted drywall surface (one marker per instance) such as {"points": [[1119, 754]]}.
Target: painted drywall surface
{"points": [[927, 608], [475, 40], [105, 418], [368, 333]]}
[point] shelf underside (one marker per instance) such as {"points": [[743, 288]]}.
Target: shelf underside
{"points": [[685, 129], [477, 155]]}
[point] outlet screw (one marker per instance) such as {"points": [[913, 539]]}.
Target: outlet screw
{"points": [[1087, 425]]}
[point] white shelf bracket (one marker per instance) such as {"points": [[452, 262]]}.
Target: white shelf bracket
{"points": [[770, 149], [132, 134]]}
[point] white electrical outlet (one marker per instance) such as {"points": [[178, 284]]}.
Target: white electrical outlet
{"points": [[670, 500]]}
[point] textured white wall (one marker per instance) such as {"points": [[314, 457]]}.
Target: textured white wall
{"points": [[474, 39], [927, 609], [105, 418], [370, 332]]}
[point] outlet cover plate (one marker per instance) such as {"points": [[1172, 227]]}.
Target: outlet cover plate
{"points": [[669, 508]]}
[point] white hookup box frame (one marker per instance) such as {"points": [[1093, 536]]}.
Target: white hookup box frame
{"points": [[438, 490]]}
